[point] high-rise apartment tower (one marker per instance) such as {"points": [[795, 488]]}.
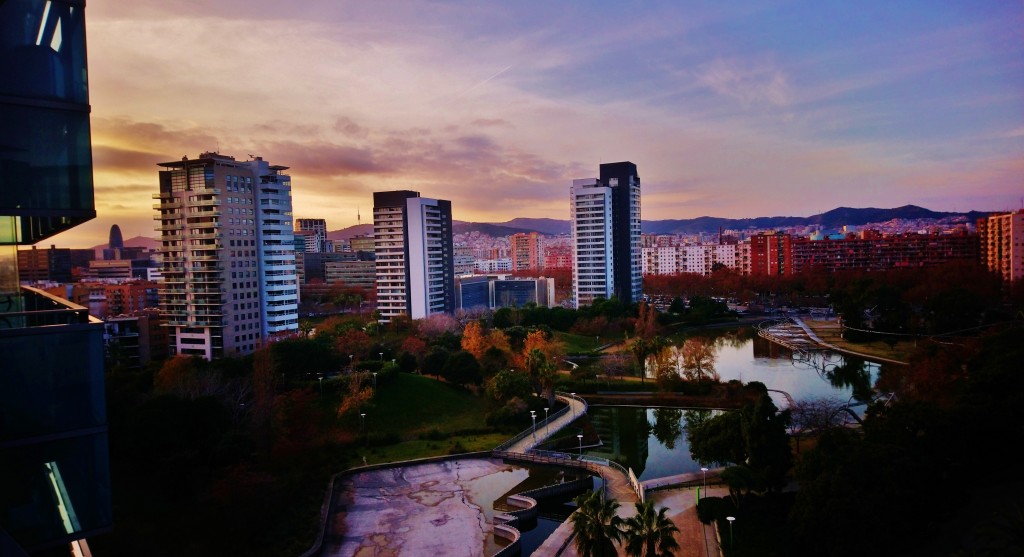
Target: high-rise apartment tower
{"points": [[414, 255], [1002, 244], [228, 254], [526, 251], [605, 214]]}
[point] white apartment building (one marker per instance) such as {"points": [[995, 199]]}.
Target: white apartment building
{"points": [[414, 255], [593, 270], [228, 257]]}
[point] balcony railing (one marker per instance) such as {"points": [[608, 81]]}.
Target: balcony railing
{"points": [[31, 307]]}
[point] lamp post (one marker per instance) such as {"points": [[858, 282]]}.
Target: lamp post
{"points": [[533, 416], [704, 471], [580, 437], [351, 363], [362, 424], [375, 381], [731, 519], [381, 357], [573, 407], [545, 420], [321, 378]]}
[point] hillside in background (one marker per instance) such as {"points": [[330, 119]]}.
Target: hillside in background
{"points": [[834, 219], [830, 220]]}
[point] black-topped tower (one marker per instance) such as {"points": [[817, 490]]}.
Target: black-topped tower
{"points": [[624, 182]]}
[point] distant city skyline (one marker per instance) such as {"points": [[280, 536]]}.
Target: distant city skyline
{"points": [[761, 110]]}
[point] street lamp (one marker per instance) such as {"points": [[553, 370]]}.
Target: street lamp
{"points": [[381, 357], [321, 378], [375, 380], [545, 420], [731, 519], [573, 407], [533, 416], [704, 471], [351, 363], [580, 437]]}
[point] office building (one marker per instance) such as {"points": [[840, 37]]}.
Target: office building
{"points": [[1002, 244], [414, 255], [54, 464], [605, 215], [353, 272], [499, 291], [226, 238]]}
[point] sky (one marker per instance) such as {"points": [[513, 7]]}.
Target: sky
{"points": [[729, 109]]}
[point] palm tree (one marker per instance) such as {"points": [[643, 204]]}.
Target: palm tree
{"points": [[596, 526], [650, 534]]}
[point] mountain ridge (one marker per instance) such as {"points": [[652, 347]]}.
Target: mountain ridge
{"points": [[832, 219], [835, 218]]}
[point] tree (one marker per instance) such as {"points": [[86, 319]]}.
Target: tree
{"points": [[699, 359], [740, 481], [415, 346], [354, 341], [474, 339], [595, 526], [437, 324], [642, 348], [717, 439], [508, 384], [768, 452], [667, 426], [462, 369], [649, 533], [434, 361], [542, 374], [358, 395], [494, 361], [646, 326]]}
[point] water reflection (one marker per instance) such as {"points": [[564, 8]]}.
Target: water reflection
{"points": [[652, 440], [744, 356], [667, 426]]}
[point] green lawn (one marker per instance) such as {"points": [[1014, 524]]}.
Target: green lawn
{"points": [[411, 405], [581, 344], [423, 448]]}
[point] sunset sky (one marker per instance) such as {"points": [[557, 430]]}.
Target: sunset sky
{"points": [[769, 108]]}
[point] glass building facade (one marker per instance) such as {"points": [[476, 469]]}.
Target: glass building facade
{"points": [[54, 471]]}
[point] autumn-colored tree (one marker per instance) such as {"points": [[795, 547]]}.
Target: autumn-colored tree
{"points": [[646, 326], [642, 348], [474, 339], [354, 342], [357, 396], [498, 339], [437, 324], [539, 340], [186, 377], [415, 346], [699, 360]]}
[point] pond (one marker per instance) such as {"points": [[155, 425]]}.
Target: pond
{"points": [[652, 441], [742, 355]]}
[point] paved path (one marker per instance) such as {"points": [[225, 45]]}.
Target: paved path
{"points": [[545, 430], [618, 486], [695, 538]]}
